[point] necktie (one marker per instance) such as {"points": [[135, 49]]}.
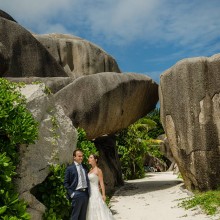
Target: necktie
{"points": [[82, 177]]}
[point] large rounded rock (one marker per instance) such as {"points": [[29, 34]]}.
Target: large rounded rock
{"points": [[77, 56], [105, 103], [165, 148], [53, 84], [190, 113], [5, 15], [4, 59], [56, 142], [28, 57]]}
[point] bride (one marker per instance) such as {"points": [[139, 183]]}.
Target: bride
{"points": [[97, 208]]}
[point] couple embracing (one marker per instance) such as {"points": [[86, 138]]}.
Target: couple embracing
{"points": [[83, 189]]}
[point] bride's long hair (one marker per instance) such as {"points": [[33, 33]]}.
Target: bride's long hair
{"points": [[96, 157]]}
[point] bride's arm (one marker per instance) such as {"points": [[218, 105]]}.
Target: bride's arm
{"points": [[101, 182]]}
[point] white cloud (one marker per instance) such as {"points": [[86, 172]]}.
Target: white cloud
{"points": [[191, 23], [40, 15]]}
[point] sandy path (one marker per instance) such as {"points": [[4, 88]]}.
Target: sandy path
{"points": [[155, 197]]}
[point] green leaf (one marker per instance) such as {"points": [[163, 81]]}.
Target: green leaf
{"points": [[13, 202], [3, 209]]}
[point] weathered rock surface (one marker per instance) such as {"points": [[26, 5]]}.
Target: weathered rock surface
{"points": [[28, 57], [109, 162], [153, 164], [104, 103], [165, 148], [77, 56], [57, 140], [4, 59], [53, 83], [190, 114]]}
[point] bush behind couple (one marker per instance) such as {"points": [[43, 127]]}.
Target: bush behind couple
{"points": [[83, 189]]}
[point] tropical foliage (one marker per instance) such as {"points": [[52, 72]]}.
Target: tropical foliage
{"points": [[158, 129], [17, 126], [53, 194], [88, 147], [134, 143]]}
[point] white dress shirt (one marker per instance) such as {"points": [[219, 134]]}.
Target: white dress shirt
{"points": [[79, 186]]}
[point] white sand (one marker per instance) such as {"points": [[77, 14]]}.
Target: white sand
{"points": [[154, 197]]}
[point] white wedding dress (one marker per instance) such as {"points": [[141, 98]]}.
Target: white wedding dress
{"points": [[97, 208]]}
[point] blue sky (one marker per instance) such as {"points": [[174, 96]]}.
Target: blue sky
{"points": [[144, 36]]}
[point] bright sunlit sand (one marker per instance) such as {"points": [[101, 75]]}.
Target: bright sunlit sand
{"points": [[154, 197]]}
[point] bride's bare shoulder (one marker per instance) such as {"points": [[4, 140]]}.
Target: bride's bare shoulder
{"points": [[99, 171]]}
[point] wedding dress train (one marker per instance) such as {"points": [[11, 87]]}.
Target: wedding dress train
{"points": [[97, 208]]}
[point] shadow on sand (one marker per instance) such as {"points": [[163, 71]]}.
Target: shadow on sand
{"points": [[143, 186]]}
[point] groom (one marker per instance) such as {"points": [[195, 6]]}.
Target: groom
{"points": [[76, 183]]}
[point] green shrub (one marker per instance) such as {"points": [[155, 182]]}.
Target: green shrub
{"points": [[131, 151], [16, 122], [158, 129], [17, 126], [209, 202], [134, 144], [53, 194], [88, 147]]}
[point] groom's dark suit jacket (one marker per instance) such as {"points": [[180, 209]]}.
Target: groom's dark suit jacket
{"points": [[71, 179]]}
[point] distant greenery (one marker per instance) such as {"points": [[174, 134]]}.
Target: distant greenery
{"points": [[134, 143], [131, 150], [209, 201], [17, 126], [158, 130]]}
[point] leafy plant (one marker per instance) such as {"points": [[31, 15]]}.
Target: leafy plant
{"points": [[134, 143], [131, 150], [158, 129], [85, 145], [17, 122], [53, 194], [17, 126]]}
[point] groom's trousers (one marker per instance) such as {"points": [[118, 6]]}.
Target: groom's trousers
{"points": [[79, 205]]}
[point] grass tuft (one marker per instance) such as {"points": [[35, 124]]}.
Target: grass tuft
{"points": [[208, 201]]}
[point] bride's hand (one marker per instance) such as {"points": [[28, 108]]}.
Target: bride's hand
{"points": [[104, 198]]}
